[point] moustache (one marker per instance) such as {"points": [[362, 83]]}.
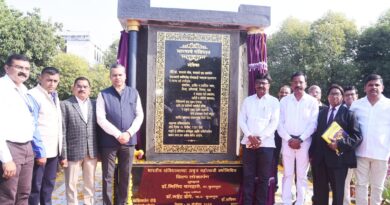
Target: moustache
{"points": [[22, 74], [298, 88], [81, 91]]}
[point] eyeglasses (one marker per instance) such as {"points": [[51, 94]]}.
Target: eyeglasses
{"points": [[20, 68]]}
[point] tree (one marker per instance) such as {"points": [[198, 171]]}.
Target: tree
{"points": [[288, 51], [325, 50], [71, 67], [27, 34], [100, 79], [109, 56], [333, 41], [373, 54]]}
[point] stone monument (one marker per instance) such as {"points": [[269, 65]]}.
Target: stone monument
{"points": [[189, 67]]}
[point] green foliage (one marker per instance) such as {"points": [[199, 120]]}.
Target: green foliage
{"points": [[100, 79], [71, 67], [324, 50], [288, 51], [333, 41], [373, 54], [109, 56], [386, 191], [27, 34]]}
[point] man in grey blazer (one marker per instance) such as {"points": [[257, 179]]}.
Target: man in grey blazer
{"points": [[79, 127]]}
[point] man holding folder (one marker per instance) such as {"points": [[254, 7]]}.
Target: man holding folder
{"points": [[330, 160]]}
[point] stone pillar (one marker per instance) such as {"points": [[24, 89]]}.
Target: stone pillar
{"points": [[133, 28]]}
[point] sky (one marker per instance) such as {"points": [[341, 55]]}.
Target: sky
{"points": [[99, 17]]}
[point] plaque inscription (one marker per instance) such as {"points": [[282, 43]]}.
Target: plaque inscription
{"points": [[183, 184], [192, 91]]}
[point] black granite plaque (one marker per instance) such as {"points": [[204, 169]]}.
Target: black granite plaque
{"points": [[192, 92]]}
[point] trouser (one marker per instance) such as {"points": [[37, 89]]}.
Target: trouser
{"points": [[88, 167], [125, 160], [278, 145], [15, 190], [325, 176], [301, 158], [370, 172], [256, 163], [347, 188], [43, 182]]}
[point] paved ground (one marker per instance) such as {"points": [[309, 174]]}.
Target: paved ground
{"points": [[60, 199]]}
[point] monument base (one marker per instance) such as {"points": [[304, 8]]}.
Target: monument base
{"points": [[186, 184]]}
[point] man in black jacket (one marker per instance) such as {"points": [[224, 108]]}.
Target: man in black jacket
{"points": [[330, 162]]}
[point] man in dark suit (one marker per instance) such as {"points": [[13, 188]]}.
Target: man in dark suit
{"points": [[330, 162], [79, 127]]}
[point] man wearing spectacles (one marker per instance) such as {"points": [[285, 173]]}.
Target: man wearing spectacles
{"points": [[258, 119], [17, 132], [330, 161]]}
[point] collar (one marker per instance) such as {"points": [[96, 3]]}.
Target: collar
{"points": [[81, 101], [304, 97], [336, 108], [11, 83], [45, 91], [266, 96]]}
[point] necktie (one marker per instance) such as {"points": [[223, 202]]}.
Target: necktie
{"points": [[330, 120]]}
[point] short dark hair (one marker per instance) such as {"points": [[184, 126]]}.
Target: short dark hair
{"points": [[351, 87], [264, 76], [335, 86], [50, 71], [372, 77], [286, 86], [81, 78], [13, 57], [116, 65], [298, 73]]}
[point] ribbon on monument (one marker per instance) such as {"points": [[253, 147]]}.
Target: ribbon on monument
{"points": [[123, 49], [257, 58]]}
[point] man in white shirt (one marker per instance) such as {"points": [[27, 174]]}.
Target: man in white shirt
{"points": [[350, 95], [258, 120], [373, 116], [50, 128], [298, 120], [16, 132], [316, 92], [283, 91]]}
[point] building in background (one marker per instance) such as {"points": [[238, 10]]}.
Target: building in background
{"points": [[79, 43]]}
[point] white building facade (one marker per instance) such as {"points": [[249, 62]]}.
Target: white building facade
{"points": [[79, 43]]}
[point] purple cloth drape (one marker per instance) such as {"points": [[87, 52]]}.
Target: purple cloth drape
{"points": [[257, 58], [123, 49], [122, 58]]}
